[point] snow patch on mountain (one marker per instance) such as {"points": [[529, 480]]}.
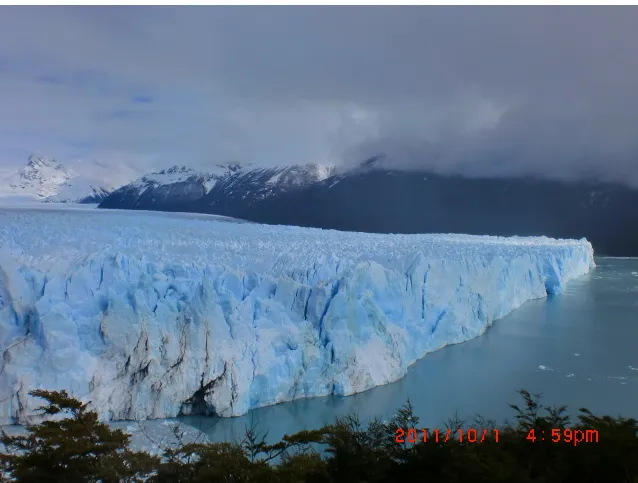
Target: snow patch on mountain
{"points": [[176, 174], [179, 174]]}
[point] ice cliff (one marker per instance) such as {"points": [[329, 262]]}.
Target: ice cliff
{"points": [[150, 315]]}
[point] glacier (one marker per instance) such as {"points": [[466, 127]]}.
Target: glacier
{"points": [[153, 315]]}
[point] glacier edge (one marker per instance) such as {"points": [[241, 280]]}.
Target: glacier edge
{"points": [[150, 338]]}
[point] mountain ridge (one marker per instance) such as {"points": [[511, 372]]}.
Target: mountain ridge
{"points": [[225, 185]]}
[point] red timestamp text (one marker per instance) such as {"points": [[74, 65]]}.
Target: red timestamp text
{"points": [[563, 435], [472, 435]]}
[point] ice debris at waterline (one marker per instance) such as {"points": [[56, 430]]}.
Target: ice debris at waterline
{"points": [[151, 316]]}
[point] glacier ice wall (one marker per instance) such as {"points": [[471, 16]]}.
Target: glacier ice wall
{"points": [[151, 315]]}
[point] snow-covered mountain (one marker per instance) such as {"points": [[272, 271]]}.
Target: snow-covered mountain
{"points": [[45, 179], [227, 187]]}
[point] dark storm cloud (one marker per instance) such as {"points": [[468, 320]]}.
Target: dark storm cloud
{"points": [[483, 90]]}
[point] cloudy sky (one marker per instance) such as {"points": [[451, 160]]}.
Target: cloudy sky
{"points": [[491, 90]]}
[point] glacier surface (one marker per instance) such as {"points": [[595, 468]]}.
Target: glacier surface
{"points": [[151, 316]]}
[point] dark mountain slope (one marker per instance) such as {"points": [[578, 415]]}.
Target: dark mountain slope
{"points": [[416, 202], [230, 190]]}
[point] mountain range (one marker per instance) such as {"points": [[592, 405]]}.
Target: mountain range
{"points": [[45, 179], [373, 198], [228, 189]]}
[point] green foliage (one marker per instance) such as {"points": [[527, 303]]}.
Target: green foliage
{"points": [[218, 462], [73, 449], [539, 447]]}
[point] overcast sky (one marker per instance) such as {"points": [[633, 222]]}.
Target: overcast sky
{"points": [[490, 90]]}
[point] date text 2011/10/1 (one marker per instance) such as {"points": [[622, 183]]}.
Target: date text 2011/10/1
{"points": [[412, 435]]}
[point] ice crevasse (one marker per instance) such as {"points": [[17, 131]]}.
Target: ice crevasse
{"points": [[152, 316]]}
